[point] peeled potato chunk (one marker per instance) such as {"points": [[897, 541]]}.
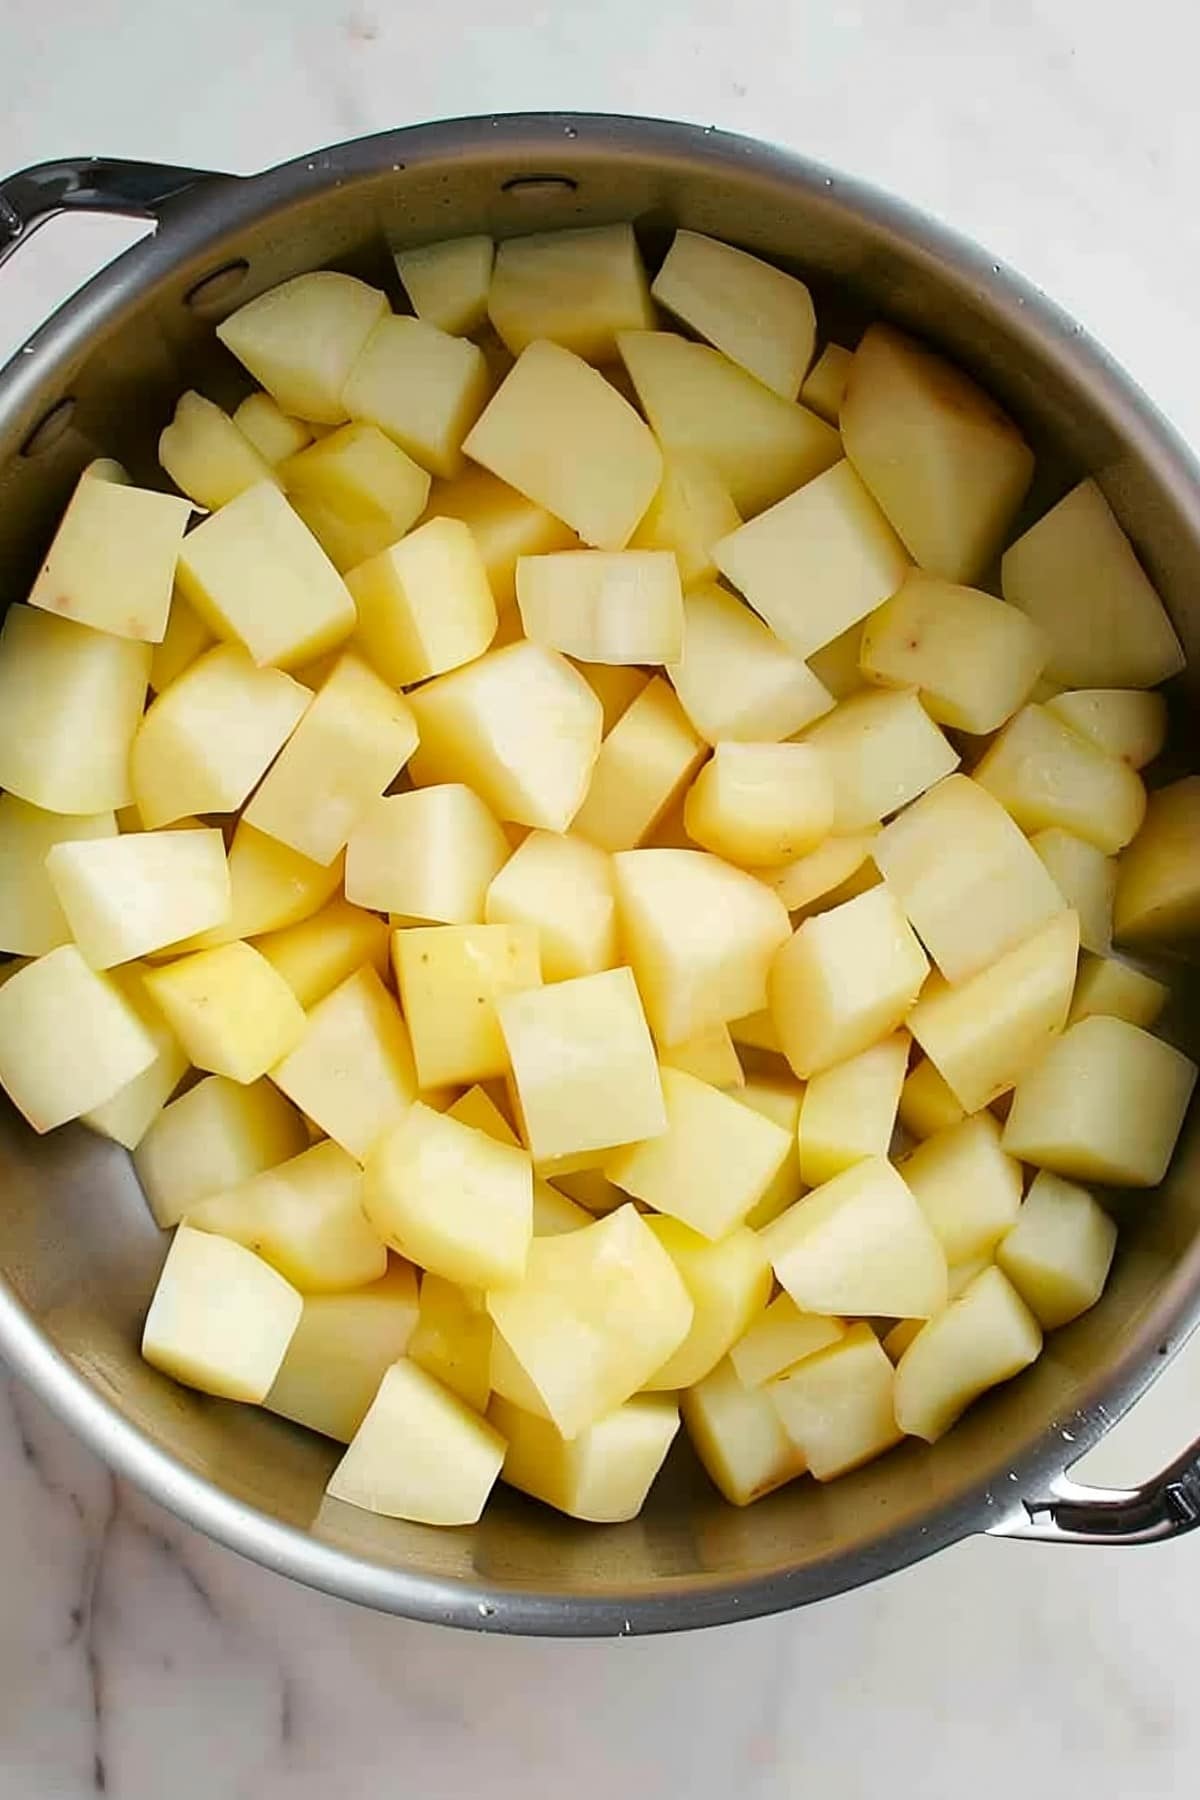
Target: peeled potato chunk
{"points": [[1106, 985], [276, 435], [821, 875], [1060, 1250], [186, 637], [739, 1437], [352, 1072], [452, 1339], [760, 317], [31, 919], [757, 804], [271, 887], [425, 388], [1158, 878], [451, 980], [735, 679], [424, 604], [1043, 773], [825, 382], [604, 1474], [69, 1039], [729, 1283], [577, 288], [317, 954], [710, 1056], [214, 1137], [836, 1405], [1128, 724], [356, 491], [926, 1102], [562, 886], [221, 1318], [125, 896], [133, 1109], [779, 1099], [779, 1338], [986, 1336], [231, 1011], [428, 854], [206, 456], [341, 1350], [620, 606], [300, 340], [691, 510], [849, 1110], [419, 1454], [967, 1186], [642, 767], [504, 524], [882, 750], [448, 282], [1087, 881], [112, 562]]}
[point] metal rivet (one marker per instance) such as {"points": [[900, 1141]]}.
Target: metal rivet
{"points": [[532, 185], [45, 435], [216, 288]]}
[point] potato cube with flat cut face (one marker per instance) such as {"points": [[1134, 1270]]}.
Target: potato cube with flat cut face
{"points": [[1108, 986], [692, 509], [1087, 881], [1158, 880], [520, 725], [836, 1405], [1060, 1250], [643, 765], [112, 562], [300, 340], [927, 1104], [562, 887], [229, 1009], [419, 1454], [739, 1437], [356, 491], [836, 664], [31, 919], [70, 702], [735, 679], [1043, 773], [816, 562], [124, 896], [729, 1283], [758, 804], [341, 1350], [429, 854], [825, 382], [781, 1337], [710, 1056], [424, 604], [986, 1336], [448, 282], [352, 1072], [818, 880], [504, 524], [214, 1137], [946, 465], [317, 954], [558, 432], [276, 435], [1124, 722], [844, 980], [423, 387], [577, 288], [186, 637], [759, 317], [604, 1474], [779, 1099], [270, 885], [882, 750], [967, 1186], [849, 1110], [1106, 1103], [206, 456], [619, 606], [221, 1318], [452, 979], [615, 685], [204, 745], [69, 1039], [452, 1339]]}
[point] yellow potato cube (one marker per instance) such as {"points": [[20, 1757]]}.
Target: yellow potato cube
{"points": [[69, 1039], [739, 1437], [643, 764], [452, 980], [710, 1057], [735, 679], [229, 1009], [882, 750], [825, 383], [836, 1406], [692, 509], [504, 524], [70, 702], [615, 685], [836, 664], [319, 953], [759, 317], [729, 1283], [562, 887], [758, 804], [1060, 1250], [604, 1474], [206, 456], [1106, 985], [31, 919], [186, 638], [817, 561], [946, 465], [859, 1244], [781, 1337], [221, 1318], [276, 435], [452, 1340], [982, 1034], [555, 1213], [926, 1103], [1124, 722], [425, 388], [845, 979], [577, 288], [849, 1110], [133, 1109], [821, 874], [424, 604], [353, 741], [558, 432], [1106, 1103], [112, 562], [986, 1336], [1043, 773], [429, 854], [779, 1099], [300, 340], [1115, 632], [356, 491], [341, 1350], [448, 282], [214, 1137], [352, 1072], [966, 1185], [125, 896], [1087, 881], [621, 606], [271, 887], [419, 1454], [1158, 880]]}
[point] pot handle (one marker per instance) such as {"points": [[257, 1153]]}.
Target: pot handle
{"points": [[137, 190], [1162, 1508]]}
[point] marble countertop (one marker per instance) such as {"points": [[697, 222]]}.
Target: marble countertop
{"points": [[139, 1660]]}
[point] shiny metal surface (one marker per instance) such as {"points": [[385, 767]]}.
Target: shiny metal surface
{"points": [[77, 1247]]}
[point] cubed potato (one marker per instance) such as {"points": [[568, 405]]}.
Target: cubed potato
{"points": [[560, 434], [692, 509], [619, 606], [505, 525], [710, 1056], [760, 318], [946, 465], [739, 1437], [429, 854], [419, 1454], [133, 1109], [608, 1092], [1087, 881], [186, 638], [700, 403], [598, 1313], [452, 1339], [124, 896], [986, 1336], [781, 1337], [836, 1405], [31, 919], [1043, 773], [256, 574], [758, 804], [451, 978], [451, 1199], [816, 562], [520, 725], [562, 887], [214, 1137], [352, 1072], [699, 935], [779, 1099], [811, 881], [589, 1188], [1060, 1250], [849, 1110], [974, 659], [966, 877], [604, 1474], [270, 886], [883, 750], [476, 1108], [836, 664], [927, 1104], [861, 1245], [305, 1218], [577, 288], [710, 1167], [1158, 881], [319, 953], [70, 702], [555, 1213], [845, 979], [233, 1014], [825, 383], [966, 1185], [204, 745], [112, 562], [69, 1039], [1124, 722], [729, 1283], [643, 766], [356, 491], [425, 388], [300, 340], [424, 604], [341, 1350], [984, 1033], [354, 739], [615, 685], [1106, 985], [448, 282], [1105, 1103], [206, 456], [276, 435], [221, 1318], [1115, 632], [735, 679]]}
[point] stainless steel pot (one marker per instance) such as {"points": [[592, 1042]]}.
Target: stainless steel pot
{"points": [[77, 1247]]}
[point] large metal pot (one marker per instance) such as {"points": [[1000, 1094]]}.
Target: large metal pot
{"points": [[77, 1246]]}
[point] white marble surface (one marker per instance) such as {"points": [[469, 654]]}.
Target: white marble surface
{"points": [[139, 1659]]}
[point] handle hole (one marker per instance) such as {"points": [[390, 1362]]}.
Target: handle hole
{"points": [[530, 186], [215, 288]]}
